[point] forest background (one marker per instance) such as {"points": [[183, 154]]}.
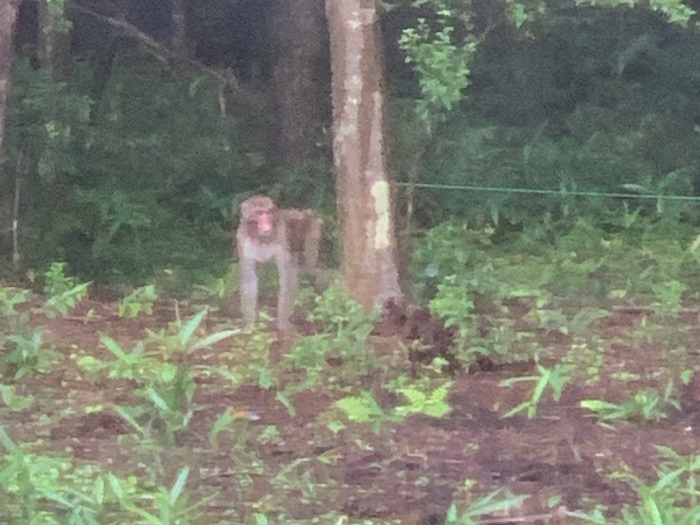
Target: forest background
{"points": [[134, 128]]}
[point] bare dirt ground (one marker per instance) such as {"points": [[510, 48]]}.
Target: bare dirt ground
{"points": [[297, 468]]}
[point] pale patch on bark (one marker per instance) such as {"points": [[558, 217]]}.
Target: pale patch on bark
{"points": [[380, 199]]}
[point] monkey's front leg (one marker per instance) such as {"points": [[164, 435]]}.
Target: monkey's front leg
{"points": [[288, 275], [249, 291]]}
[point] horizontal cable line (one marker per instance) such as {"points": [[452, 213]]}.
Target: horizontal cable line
{"points": [[563, 193]]}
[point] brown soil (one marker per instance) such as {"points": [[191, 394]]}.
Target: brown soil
{"points": [[409, 472]]}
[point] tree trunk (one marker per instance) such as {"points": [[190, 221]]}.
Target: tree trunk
{"points": [[301, 76], [180, 40], [365, 204], [54, 41], [8, 17]]}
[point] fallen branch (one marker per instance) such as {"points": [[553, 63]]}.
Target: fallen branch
{"points": [[158, 50]]}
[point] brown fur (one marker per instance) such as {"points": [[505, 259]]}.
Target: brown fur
{"points": [[294, 238]]}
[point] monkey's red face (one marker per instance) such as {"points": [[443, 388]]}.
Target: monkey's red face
{"points": [[259, 214], [265, 221]]}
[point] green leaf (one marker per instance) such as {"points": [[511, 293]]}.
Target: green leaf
{"points": [[212, 339], [188, 331], [284, 399], [179, 483], [222, 423]]}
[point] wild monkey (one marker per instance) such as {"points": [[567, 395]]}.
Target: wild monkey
{"points": [[290, 237]]}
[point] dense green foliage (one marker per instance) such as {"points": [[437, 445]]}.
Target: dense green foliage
{"points": [[133, 171], [600, 101], [137, 182], [142, 180]]}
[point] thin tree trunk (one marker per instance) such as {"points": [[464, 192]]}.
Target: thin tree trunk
{"points": [[180, 40], [301, 76], [54, 41], [8, 18], [365, 203]]}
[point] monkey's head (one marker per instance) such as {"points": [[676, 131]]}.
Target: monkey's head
{"points": [[260, 216]]}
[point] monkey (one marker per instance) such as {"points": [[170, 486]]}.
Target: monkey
{"points": [[290, 237]]}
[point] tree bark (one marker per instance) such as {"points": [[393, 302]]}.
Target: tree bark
{"points": [[301, 75], [365, 205], [53, 46], [8, 18]]}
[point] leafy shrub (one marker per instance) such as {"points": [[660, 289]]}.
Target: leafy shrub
{"points": [[607, 160], [345, 327], [648, 257], [138, 181]]}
